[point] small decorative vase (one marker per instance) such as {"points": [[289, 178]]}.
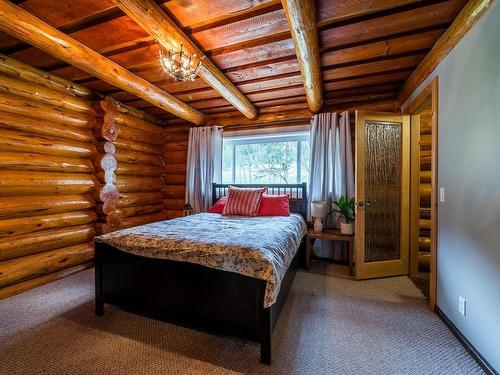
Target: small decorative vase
{"points": [[318, 225], [188, 210], [346, 228]]}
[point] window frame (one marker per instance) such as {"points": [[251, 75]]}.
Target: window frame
{"points": [[297, 137]]}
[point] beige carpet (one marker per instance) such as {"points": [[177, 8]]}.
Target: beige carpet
{"points": [[329, 326]]}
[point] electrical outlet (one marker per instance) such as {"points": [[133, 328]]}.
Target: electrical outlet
{"points": [[441, 194], [461, 305]]}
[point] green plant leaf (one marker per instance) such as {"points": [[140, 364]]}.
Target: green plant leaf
{"points": [[346, 208]]}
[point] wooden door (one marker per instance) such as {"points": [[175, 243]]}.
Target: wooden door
{"points": [[382, 193]]}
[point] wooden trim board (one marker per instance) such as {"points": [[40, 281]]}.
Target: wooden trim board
{"points": [[414, 192], [388, 267], [476, 354], [414, 108]]}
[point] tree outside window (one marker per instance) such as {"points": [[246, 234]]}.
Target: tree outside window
{"points": [[280, 159]]}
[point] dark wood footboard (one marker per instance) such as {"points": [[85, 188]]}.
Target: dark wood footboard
{"points": [[190, 295]]}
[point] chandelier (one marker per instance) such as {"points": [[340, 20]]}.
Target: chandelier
{"points": [[180, 65]]}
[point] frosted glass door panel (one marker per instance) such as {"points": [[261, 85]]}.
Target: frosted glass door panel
{"points": [[383, 150]]}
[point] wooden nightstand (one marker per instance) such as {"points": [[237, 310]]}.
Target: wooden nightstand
{"points": [[330, 234]]}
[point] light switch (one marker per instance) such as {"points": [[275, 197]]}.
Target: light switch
{"points": [[441, 194]]}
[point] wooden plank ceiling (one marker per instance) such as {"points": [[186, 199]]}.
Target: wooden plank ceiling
{"points": [[368, 48]]}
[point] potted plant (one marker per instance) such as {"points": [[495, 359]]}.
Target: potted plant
{"points": [[346, 208]]}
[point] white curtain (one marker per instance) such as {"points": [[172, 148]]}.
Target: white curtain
{"points": [[204, 166], [331, 169]]}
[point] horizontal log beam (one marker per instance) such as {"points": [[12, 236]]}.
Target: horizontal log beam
{"points": [[25, 72], [24, 142], [38, 162], [15, 183], [44, 127], [136, 157], [176, 146], [42, 280], [424, 242], [171, 214], [131, 111], [139, 210], [173, 204], [41, 177], [135, 170], [425, 191], [32, 266], [175, 156], [18, 246], [111, 131], [139, 199], [45, 95], [174, 191], [467, 18], [425, 212], [34, 108], [25, 225], [13, 207], [137, 123], [175, 168], [142, 219], [125, 144], [23, 25], [128, 184], [127, 133], [175, 179]]}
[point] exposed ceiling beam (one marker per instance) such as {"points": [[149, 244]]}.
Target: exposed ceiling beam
{"points": [[301, 16], [284, 116], [154, 20], [470, 14], [300, 114], [23, 25], [363, 53]]}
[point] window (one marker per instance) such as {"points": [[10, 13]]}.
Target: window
{"points": [[269, 159]]}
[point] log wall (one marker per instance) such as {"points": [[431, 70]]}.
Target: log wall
{"points": [[425, 188], [174, 168], [47, 177], [70, 168], [129, 167]]}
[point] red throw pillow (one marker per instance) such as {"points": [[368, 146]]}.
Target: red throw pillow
{"points": [[274, 205], [243, 201], [218, 207]]}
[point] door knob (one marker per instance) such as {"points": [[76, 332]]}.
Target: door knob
{"points": [[364, 203]]}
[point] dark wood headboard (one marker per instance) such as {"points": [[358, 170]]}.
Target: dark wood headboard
{"points": [[297, 192]]}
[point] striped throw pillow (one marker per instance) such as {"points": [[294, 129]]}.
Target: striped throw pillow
{"points": [[243, 201]]}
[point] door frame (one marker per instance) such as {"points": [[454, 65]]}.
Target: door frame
{"points": [[388, 267], [413, 109]]}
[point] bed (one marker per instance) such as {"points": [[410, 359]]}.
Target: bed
{"points": [[219, 274]]}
